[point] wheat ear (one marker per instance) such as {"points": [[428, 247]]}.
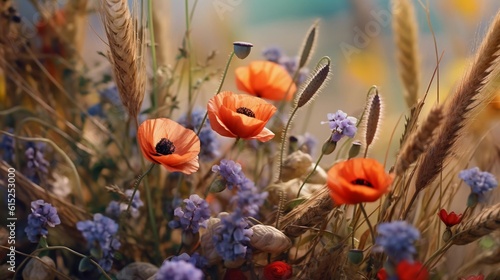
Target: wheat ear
{"points": [[405, 33], [484, 223], [475, 91], [418, 141], [125, 46]]}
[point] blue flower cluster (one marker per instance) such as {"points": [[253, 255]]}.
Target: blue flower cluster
{"points": [[101, 233], [115, 208], [209, 147], [42, 215], [480, 182], [396, 240], [192, 215], [37, 167], [7, 147], [276, 55], [341, 125], [232, 237], [196, 259], [178, 270], [231, 173]]}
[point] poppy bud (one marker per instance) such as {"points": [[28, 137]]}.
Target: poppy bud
{"points": [[355, 256], [218, 185], [242, 49], [472, 200], [354, 150], [447, 234], [329, 147]]}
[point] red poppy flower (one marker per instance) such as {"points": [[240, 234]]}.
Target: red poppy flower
{"points": [[240, 116], [168, 143], [474, 277], [406, 271], [277, 271], [265, 79], [450, 219], [357, 180]]}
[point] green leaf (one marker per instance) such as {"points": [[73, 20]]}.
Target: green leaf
{"points": [[85, 265]]}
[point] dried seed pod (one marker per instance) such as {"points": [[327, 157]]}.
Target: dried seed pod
{"points": [[269, 239], [295, 165], [317, 80], [207, 240], [308, 46]]}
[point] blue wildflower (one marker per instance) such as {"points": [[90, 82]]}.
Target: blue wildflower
{"points": [[272, 54], [249, 199], [178, 270], [196, 259], [480, 182], [396, 240], [7, 147], [115, 208], [36, 164], [42, 215], [192, 215], [101, 233], [209, 147], [111, 95], [341, 125], [232, 237], [96, 110], [230, 172]]}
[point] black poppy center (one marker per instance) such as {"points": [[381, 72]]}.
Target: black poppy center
{"points": [[362, 182], [165, 147], [245, 111]]}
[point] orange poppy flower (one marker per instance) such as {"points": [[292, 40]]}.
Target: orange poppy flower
{"points": [[357, 180], [265, 79], [168, 143], [240, 116]]}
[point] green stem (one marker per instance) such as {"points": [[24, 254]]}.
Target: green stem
{"points": [[310, 174], [137, 182], [282, 151], [152, 219], [372, 232], [156, 101], [218, 90]]}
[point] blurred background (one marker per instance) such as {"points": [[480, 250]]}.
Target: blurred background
{"points": [[355, 34]]}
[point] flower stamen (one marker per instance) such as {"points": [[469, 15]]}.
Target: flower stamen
{"points": [[245, 111], [362, 182], [165, 147]]}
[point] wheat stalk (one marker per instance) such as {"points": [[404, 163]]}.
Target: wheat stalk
{"points": [[125, 46], [484, 223], [476, 90], [405, 32], [311, 212], [418, 141]]}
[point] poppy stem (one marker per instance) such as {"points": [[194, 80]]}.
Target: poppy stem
{"points": [[367, 219], [218, 90], [310, 174], [283, 141], [136, 184]]}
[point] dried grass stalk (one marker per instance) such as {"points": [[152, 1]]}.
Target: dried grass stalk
{"points": [[405, 32], [484, 223], [418, 141], [311, 212], [26, 192], [126, 53], [314, 84], [475, 91], [373, 119]]}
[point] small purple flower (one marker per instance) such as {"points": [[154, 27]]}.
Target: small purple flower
{"points": [[396, 240], [192, 215], [272, 54], [231, 172], [480, 182], [36, 164], [101, 233], [341, 125], [209, 146], [232, 238], [42, 215], [196, 259], [178, 270], [115, 208], [248, 199], [7, 147]]}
